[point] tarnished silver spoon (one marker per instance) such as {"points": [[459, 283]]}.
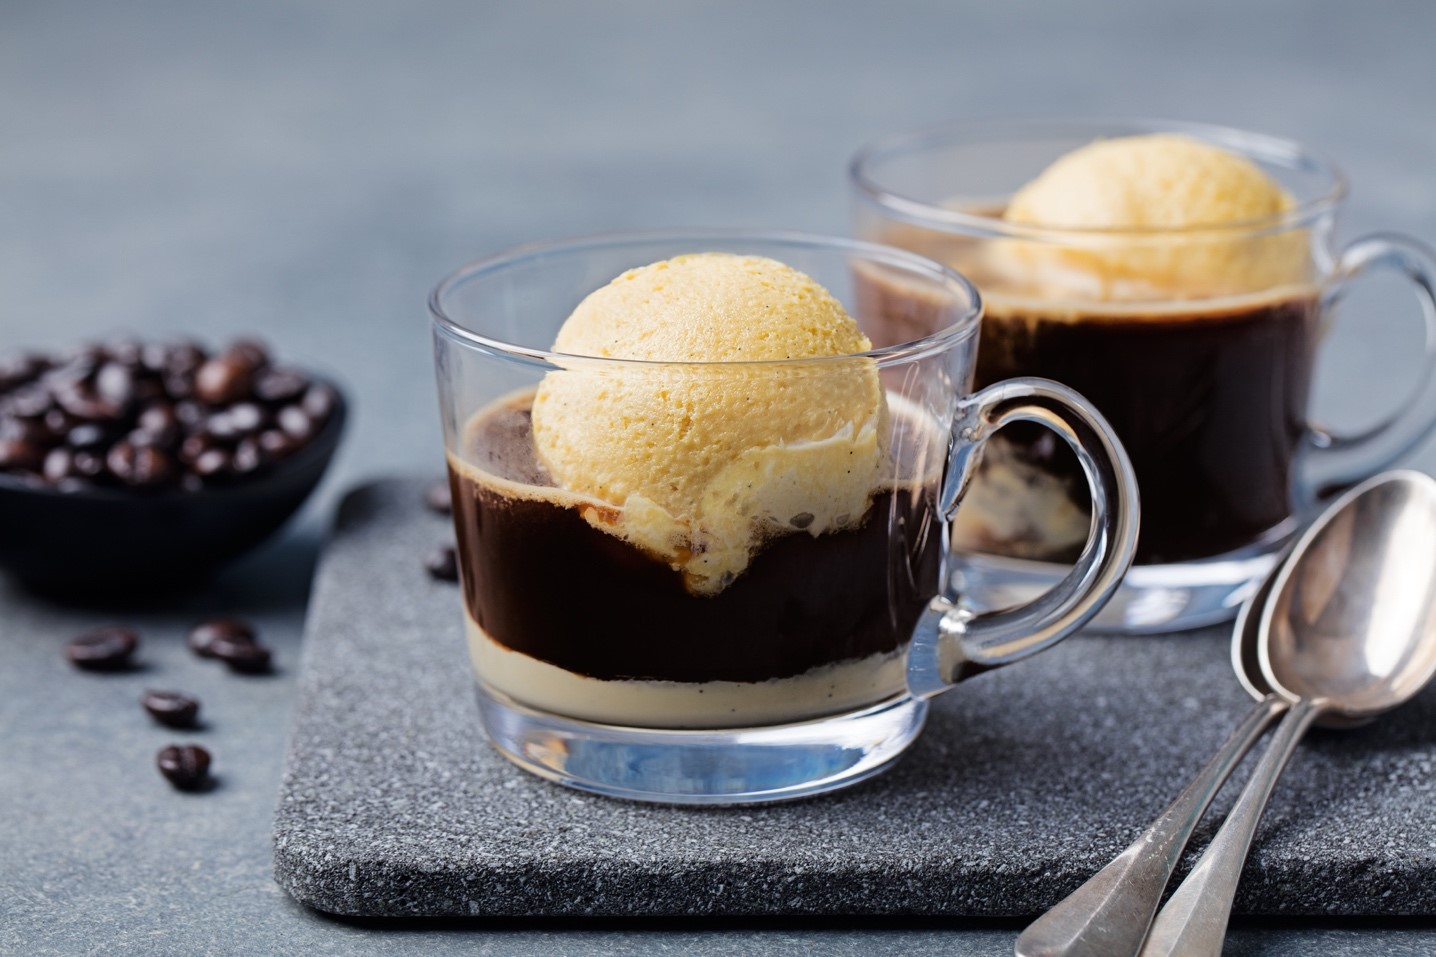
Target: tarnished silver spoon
{"points": [[1109, 915], [1348, 632]]}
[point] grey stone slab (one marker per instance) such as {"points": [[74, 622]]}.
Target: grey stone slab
{"points": [[1025, 782]]}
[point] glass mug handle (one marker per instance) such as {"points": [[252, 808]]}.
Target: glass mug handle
{"points": [[950, 643], [1335, 460]]}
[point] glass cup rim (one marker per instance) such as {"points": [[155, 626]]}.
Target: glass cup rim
{"points": [[1263, 147], [934, 343]]}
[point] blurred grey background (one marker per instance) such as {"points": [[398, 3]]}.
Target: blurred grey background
{"points": [[308, 170]]}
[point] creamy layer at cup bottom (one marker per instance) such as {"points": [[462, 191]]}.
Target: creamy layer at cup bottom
{"points": [[567, 618]]}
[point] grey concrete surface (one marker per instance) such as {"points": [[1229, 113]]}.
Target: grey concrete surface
{"points": [[307, 171]]}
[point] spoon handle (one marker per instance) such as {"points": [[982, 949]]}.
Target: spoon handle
{"points": [[1108, 916], [1194, 921]]}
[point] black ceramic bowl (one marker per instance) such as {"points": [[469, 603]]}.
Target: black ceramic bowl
{"points": [[108, 543]]}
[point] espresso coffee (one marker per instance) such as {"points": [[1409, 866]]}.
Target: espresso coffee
{"points": [[1208, 396], [565, 616], [1208, 399]]}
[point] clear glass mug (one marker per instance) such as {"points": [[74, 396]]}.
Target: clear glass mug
{"points": [[1197, 344], [788, 644]]}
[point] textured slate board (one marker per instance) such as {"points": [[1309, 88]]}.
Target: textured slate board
{"points": [[1025, 782]]}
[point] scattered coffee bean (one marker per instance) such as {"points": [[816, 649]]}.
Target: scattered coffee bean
{"points": [[202, 636], [171, 708], [443, 564], [245, 657], [439, 498], [186, 766], [103, 649]]}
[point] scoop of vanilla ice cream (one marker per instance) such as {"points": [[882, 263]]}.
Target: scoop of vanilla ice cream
{"points": [[707, 451], [1170, 203]]}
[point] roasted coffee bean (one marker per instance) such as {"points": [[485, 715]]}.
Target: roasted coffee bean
{"points": [[178, 386], [28, 430], [58, 423], [224, 380], [124, 350], [193, 447], [115, 383], [319, 401], [202, 636], [212, 463], [103, 649], [251, 351], [186, 766], [90, 465], [247, 457], [87, 436], [157, 426], [439, 498], [221, 427], [20, 455], [172, 708], [85, 404], [248, 418], [16, 370], [190, 414], [280, 385], [140, 466], [277, 445], [59, 465], [154, 357], [295, 421], [245, 657], [443, 564], [28, 402], [184, 357]]}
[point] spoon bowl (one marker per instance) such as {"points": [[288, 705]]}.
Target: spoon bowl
{"points": [[1351, 621], [1246, 650]]}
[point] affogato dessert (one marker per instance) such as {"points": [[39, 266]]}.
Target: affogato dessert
{"points": [[687, 525], [1154, 275]]}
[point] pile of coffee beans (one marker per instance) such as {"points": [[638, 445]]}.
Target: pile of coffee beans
{"points": [[154, 415]]}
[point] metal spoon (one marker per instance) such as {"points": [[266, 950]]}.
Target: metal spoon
{"points": [[1108, 916], [1349, 632]]}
